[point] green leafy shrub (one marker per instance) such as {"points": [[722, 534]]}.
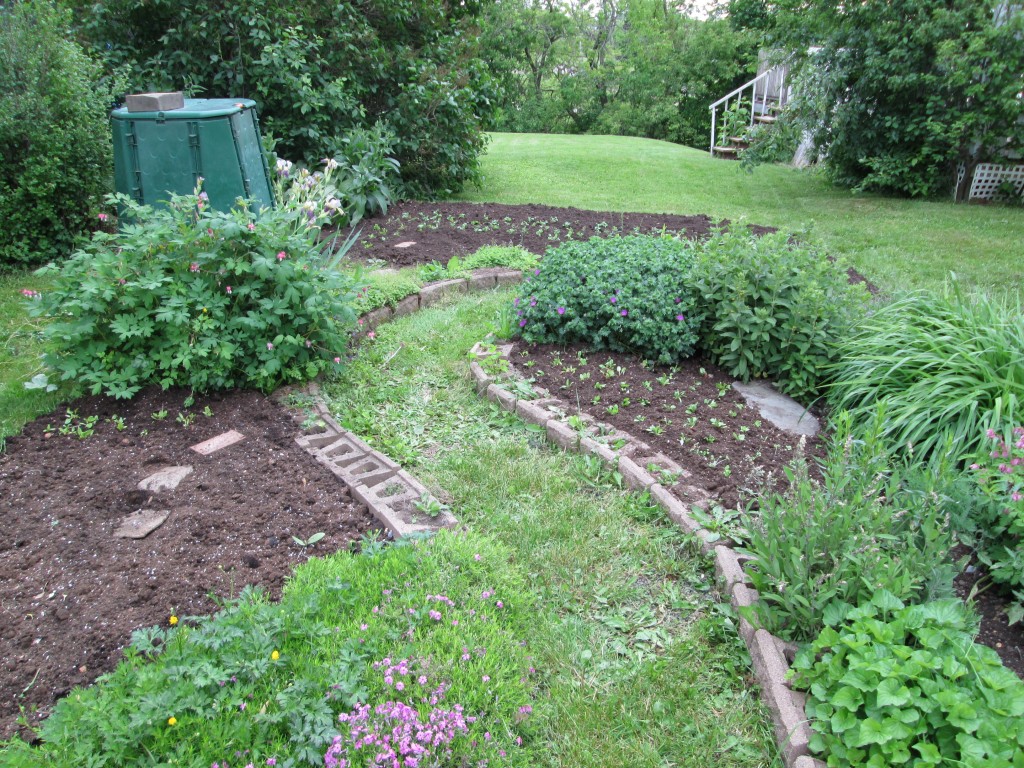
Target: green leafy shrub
{"points": [[947, 366], [623, 294], [869, 524], [896, 685], [188, 296], [55, 149], [320, 71], [773, 308], [998, 522]]}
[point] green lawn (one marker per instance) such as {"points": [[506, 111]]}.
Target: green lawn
{"points": [[896, 243]]}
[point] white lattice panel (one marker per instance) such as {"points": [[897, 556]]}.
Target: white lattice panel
{"points": [[988, 177]]}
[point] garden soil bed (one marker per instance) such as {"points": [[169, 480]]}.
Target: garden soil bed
{"points": [[689, 412], [72, 593]]}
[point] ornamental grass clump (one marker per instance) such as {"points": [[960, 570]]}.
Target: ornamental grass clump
{"points": [[948, 367], [625, 294], [192, 297], [891, 684]]}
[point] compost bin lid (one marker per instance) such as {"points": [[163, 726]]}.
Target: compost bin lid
{"points": [[194, 109]]}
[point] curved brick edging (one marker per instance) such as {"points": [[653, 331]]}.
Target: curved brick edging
{"points": [[638, 464], [387, 490]]}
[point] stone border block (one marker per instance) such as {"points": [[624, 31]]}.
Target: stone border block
{"points": [[508, 277], [728, 567], [744, 597], [480, 377], [607, 455], [805, 761], [633, 475], [408, 305], [502, 397], [434, 292], [373, 319], [533, 412], [482, 282], [674, 508], [562, 435]]}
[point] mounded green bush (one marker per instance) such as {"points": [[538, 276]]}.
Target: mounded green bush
{"points": [[773, 308], [758, 306], [624, 294], [947, 366], [55, 148], [894, 685], [870, 523], [187, 296]]}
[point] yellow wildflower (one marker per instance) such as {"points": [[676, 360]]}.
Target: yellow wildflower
{"points": [[172, 720], [275, 656], [173, 620]]}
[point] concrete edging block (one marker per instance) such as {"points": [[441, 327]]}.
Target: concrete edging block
{"points": [[562, 435], [635, 476], [728, 568]]}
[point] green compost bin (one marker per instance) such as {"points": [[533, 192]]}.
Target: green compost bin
{"points": [[218, 140]]}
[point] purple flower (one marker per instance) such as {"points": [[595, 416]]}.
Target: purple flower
{"points": [[515, 302], [522, 323], [613, 299], [561, 310], [624, 313], [678, 300], [536, 271], [269, 345], [680, 318]]}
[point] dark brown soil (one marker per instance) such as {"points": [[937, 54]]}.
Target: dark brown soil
{"points": [[689, 412], [439, 231], [995, 631], [73, 593]]}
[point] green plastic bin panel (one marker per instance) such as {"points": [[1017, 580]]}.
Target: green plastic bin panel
{"points": [[159, 153]]}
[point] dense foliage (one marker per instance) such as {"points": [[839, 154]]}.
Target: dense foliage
{"points": [[626, 67], [288, 680], [896, 685], [187, 296], [898, 92], [870, 523], [629, 293], [996, 525], [55, 151], [947, 366], [319, 71], [773, 308]]}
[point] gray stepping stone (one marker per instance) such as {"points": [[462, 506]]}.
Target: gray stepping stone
{"points": [[222, 440], [406, 244], [781, 410], [166, 479], [139, 525]]}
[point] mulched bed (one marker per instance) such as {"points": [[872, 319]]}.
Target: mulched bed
{"points": [[442, 230], [73, 594], [689, 412]]}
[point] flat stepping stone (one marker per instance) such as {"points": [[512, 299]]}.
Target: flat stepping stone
{"points": [[214, 444], [406, 244], [781, 410], [139, 525], [166, 479]]}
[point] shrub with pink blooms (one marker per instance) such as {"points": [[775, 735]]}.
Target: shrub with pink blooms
{"points": [[1000, 475], [192, 297]]}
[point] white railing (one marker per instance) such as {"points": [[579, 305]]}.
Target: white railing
{"points": [[764, 81]]}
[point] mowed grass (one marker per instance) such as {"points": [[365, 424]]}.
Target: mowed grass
{"points": [[897, 243], [644, 667]]}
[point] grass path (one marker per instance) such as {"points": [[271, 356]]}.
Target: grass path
{"points": [[642, 667], [897, 243]]}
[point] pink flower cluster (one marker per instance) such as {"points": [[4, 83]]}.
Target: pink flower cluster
{"points": [[28, 293], [396, 736], [1008, 479]]}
